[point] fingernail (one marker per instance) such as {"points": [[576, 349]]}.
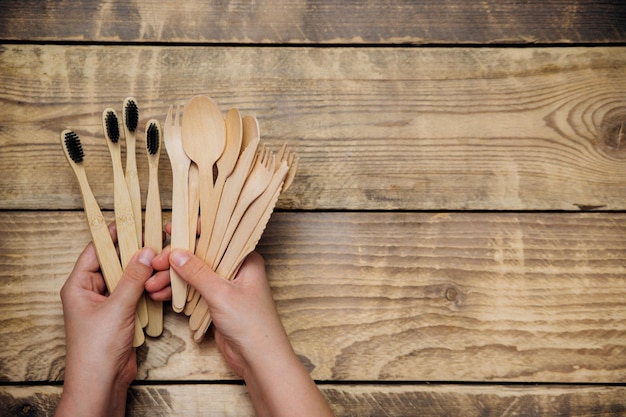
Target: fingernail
{"points": [[179, 257], [145, 257]]}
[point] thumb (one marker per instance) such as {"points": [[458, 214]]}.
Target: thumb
{"points": [[197, 274], [136, 273]]}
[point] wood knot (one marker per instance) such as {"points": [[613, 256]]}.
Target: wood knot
{"points": [[25, 410], [452, 294], [613, 133], [454, 297]]}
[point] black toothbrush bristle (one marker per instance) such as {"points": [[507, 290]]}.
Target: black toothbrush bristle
{"points": [[131, 115], [152, 138], [112, 127], [74, 147]]}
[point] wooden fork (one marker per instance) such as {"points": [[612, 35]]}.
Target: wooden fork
{"points": [[180, 162], [292, 159], [257, 181]]}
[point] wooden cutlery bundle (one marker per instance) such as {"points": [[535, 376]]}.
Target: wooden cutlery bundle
{"points": [[222, 175]]}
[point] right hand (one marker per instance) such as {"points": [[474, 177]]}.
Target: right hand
{"points": [[247, 328], [250, 336]]}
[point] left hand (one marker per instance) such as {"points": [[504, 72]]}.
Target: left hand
{"points": [[100, 360]]}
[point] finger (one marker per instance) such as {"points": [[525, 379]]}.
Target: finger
{"points": [[113, 231], [252, 273], [86, 272], [197, 273], [74, 288], [161, 262], [168, 227], [87, 260], [158, 282], [252, 266], [163, 295], [133, 280]]}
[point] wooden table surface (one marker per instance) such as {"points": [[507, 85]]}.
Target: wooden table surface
{"points": [[454, 243]]}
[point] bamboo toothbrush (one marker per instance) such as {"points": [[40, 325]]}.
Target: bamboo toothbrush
{"points": [[130, 118], [154, 222], [124, 219], [100, 236]]}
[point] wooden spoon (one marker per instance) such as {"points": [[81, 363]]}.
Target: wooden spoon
{"points": [[233, 186], [204, 139], [225, 166], [226, 163], [251, 130]]}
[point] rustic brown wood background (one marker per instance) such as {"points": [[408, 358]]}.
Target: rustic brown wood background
{"points": [[454, 243]]}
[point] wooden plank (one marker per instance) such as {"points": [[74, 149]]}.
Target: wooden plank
{"points": [[377, 129], [372, 296], [317, 21], [348, 400]]}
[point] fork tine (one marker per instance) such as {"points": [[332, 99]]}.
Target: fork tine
{"points": [[282, 151], [291, 174], [168, 118], [280, 157], [287, 155], [266, 157], [257, 158], [260, 154]]}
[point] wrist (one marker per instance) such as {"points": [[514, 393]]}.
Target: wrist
{"points": [[95, 403], [86, 393], [268, 353]]}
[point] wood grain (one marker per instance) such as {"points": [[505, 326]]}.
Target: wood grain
{"points": [[347, 400], [398, 310], [372, 296], [376, 129], [317, 21]]}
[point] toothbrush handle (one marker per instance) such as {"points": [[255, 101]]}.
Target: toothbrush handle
{"points": [[154, 239], [105, 249]]}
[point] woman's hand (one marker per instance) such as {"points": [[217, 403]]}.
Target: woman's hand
{"points": [[251, 337], [243, 310], [100, 360]]}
